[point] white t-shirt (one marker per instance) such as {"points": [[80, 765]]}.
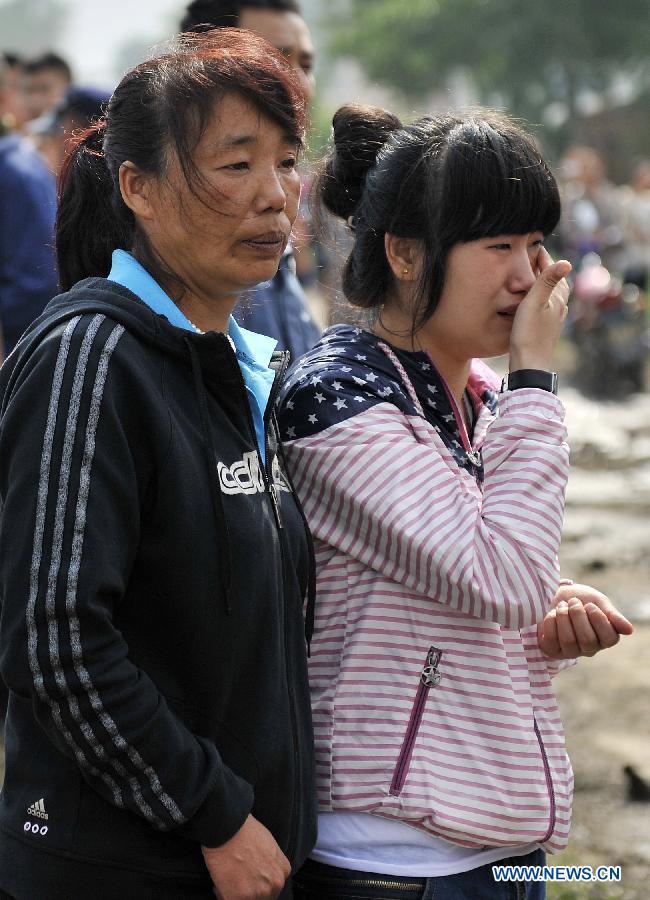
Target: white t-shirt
{"points": [[368, 843]]}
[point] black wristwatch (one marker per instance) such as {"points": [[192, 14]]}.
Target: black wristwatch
{"points": [[530, 378]]}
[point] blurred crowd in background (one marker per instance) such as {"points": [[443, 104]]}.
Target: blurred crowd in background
{"points": [[605, 229]]}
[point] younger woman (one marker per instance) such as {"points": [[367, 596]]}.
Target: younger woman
{"points": [[435, 500]]}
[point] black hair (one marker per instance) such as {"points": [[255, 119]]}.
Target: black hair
{"points": [[163, 105], [202, 15], [47, 61], [13, 60], [443, 180]]}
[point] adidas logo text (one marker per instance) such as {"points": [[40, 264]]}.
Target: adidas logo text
{"points": [[38, 810], [245, 476]]}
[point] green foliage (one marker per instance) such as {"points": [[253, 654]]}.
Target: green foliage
{"points": [[527, 54]]}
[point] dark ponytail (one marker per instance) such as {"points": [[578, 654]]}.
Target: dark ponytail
{"points": [[359, 133], [92, 219]]}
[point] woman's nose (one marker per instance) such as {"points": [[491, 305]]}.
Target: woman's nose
{"points": [[522, 275], [271, 194]]}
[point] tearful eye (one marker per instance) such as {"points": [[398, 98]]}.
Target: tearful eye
{"points": [[289, 163], [238, 167]]}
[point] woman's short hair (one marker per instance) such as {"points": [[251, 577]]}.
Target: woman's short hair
{"points": [[160, 109], [442, 180]]}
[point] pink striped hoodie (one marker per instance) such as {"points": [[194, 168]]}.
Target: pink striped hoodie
{"points": [[435, 557]]}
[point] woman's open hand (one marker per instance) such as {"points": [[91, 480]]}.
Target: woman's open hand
{"points": [[582, 622], [540, 316]]}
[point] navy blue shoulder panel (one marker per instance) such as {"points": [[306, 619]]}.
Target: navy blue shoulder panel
{"points": [[344, 374]]}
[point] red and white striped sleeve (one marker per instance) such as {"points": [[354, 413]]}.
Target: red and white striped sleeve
{"points": [[381, 487]]}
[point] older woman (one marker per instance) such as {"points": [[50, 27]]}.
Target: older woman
{"points": [[154, 560]]}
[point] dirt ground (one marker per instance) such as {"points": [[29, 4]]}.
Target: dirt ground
{"points": [[605, 703]]}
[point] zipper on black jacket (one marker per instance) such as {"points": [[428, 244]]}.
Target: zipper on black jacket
{"points": [[275, 387], [266, 474], [268, 420], [265, 468]]}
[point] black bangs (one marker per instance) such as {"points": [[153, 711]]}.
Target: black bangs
{"points": [[495, 183]]}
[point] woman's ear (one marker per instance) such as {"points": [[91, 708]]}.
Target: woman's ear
{"points": [[404, 256], [135, 188]]}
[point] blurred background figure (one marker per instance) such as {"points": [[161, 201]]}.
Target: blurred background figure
{"points": [[280, 22], [635, 204], [28, 276], [278, 308], [591, 218], [27, 209], [46, 79], [13, 112], [52, 133], [606, 324]]}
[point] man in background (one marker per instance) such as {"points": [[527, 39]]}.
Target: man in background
{"points": [[279, 21], [277, 308], [46, 79], [27, 209], [28, 277], [12, 112], [53, 132]]}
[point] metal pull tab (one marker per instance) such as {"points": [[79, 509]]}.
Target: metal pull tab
{"points": [[430, 676], [276, 503]]}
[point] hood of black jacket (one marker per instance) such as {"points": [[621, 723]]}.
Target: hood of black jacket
{"points": [[101, 296]]}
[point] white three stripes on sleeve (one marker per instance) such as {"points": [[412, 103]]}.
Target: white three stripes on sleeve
{"points": [[91, 745]]}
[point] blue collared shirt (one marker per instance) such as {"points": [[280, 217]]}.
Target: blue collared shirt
{"points": [[279, 308], [253, 351]]}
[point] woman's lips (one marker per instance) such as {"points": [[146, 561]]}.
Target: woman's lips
{"points": [[269, 244], [509, 311]]}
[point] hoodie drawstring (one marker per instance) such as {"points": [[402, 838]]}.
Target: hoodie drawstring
{"points": [[215, 490]]}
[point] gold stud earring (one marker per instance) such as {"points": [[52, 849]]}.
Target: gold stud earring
{"points": [[405, 271]]}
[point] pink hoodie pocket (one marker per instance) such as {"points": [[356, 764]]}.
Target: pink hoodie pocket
{"points": [[429, 677]]}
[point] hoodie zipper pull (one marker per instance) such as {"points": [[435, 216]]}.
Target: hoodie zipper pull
{"points": [[430, 676], [273, 491]]}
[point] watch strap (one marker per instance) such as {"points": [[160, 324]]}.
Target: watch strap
{"points": [[530, 378]]}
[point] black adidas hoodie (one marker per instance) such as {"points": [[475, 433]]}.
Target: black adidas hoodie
{"points": [[153, 573]]}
